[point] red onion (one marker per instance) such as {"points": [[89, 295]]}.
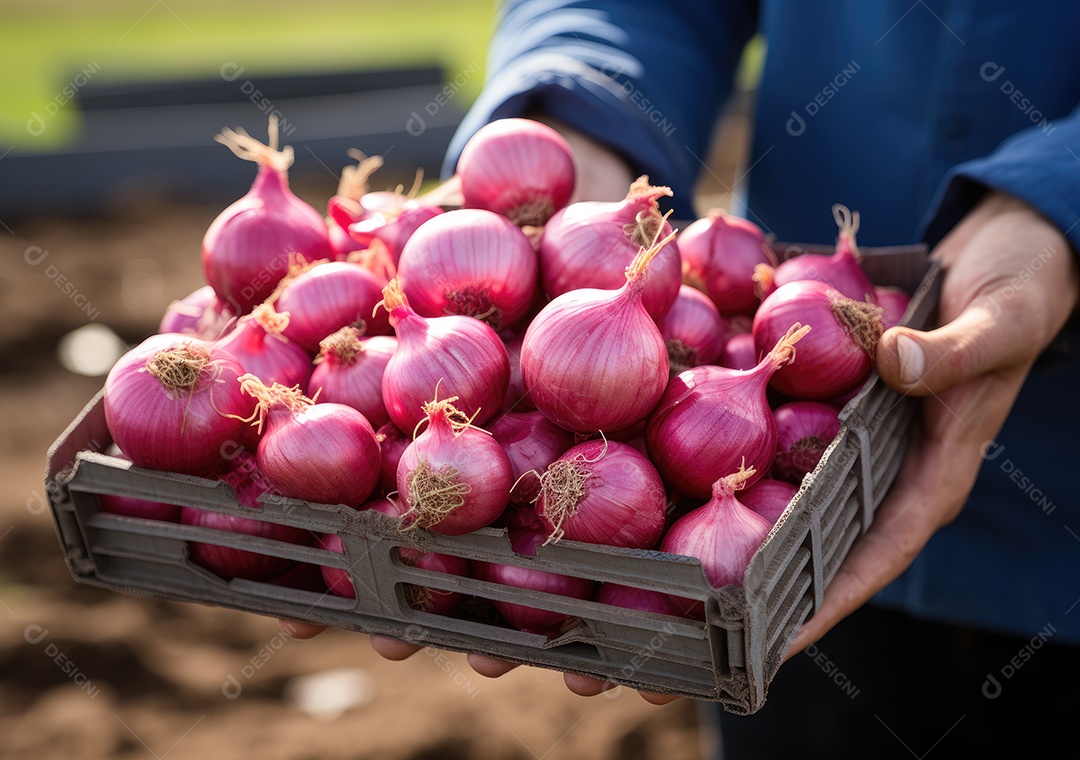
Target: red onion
{"points": [[719, 253], [517, 395], [768, 498], [839, 353], [470, 262], [893, 302], [132, 506], [594, 359], [345, 207], [722, 535], [350, 371], [533, 619], [247, 249], [338, 581], [248, 483], [519, 168], [840, 270], [693, 330], [804, 429], [392, 444], [453, 477], [258, 344], [531, 442], [633, 598], [322, 298], [460, 356], [171, 402], [712, 420], [740, 352], [603, 492], [200, 314], [324, 453], [389, 229], [590, 244]]}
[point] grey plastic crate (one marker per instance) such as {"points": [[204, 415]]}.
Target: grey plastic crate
{"points": [[730, 658]]}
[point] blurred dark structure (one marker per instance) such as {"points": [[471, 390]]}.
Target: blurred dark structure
{"points": [[157, 137]]}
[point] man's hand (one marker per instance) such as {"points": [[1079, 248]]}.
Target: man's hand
{"points": [[1010, 285]]}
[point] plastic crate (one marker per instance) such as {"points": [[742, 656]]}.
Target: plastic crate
{"points": [[729, 658]]}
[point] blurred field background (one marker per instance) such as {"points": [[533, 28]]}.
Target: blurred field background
{"points": [[156, 676]]}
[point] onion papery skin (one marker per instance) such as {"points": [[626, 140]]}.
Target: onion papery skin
{"points": [[531, 442], [833, 359], [328, 296], [519, 168], [594, 360], [247, 248], [391, 229], [723, 535], [714, 420], [248, 483], [740, 352], [448, 356], [632, 598], [469, 262], [768, 498], [351, 371], [533, 619], [719, 254], [392, 444], [261, 349], [693, 331], [591, 243], [603, 492], [453, 478], [804, 429], [325, 453], [893, 302], [200, 314], [181, 429]]}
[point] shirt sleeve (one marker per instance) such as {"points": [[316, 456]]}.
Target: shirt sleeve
{"points": [[648, 79], [1040, 165]]}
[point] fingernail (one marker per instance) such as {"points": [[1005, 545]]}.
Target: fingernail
{"points": [[912, 359]]}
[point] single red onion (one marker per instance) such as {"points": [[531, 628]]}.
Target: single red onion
{"points": [[453, 477], [633, 598], [392, 444], [350, 371], [248, 483], [719, 254], [522, 617], [172, 402], [713, 420], [590, 244], [200, 314], [247, 248], [519, 168], [594, 359], [531, 442], [837, 356], [768, 498], [804, 429], [454, 355], [693, 331], [893, 302], [338, 581], [322, 298], [603, 492], [258, 344], [723, 535], [740, 352], [325, 453], [470, 262], [840, 270]]}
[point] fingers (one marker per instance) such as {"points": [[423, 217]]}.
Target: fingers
{"points": [[393, 649], [296, 630], [490, 667]]}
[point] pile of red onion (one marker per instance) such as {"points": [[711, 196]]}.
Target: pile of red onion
{"points": [[565, 371]]}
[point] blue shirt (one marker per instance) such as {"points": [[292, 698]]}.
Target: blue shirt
{"points": [[905, 112]]}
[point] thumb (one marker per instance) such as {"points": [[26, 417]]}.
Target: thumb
{"points": [[983, 337]]}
